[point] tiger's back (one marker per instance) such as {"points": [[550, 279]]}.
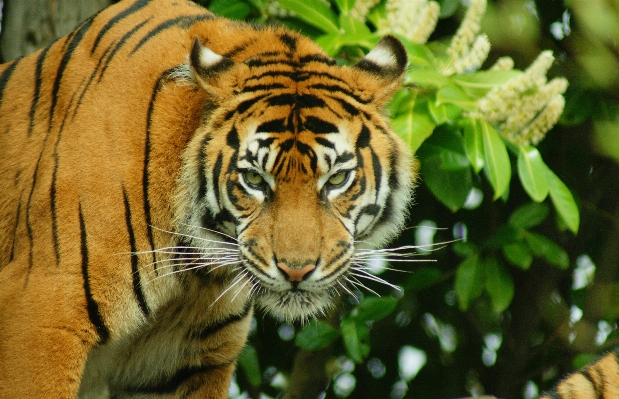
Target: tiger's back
{"points": [[116, 178]]}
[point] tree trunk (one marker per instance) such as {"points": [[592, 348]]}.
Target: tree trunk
{"points": [[28, 25]]}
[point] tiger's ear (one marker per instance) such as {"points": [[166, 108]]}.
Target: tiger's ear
{"points": [[217, 74], [386, 63]]}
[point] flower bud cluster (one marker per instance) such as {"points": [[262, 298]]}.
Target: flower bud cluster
{"points": [[468, 50], [526, 106]]}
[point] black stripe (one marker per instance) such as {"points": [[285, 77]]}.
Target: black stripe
{"points": [[260, 62], [211, 329], [363, 140], [91, 304], [216, 172], [259, 87], [232, 139], [308, 151], [317, 58], [305, 101], [339, 89], [387, 213], [117, 18], [230, 186], [38, 80], [135, 273], [394, 183], [237, 49], [377, 169], [104, 62], [244, 106], [11, 256], [29, 228], [202, 166], [52, 193], [172, 383], [163, 78], [319, 126], [348, 107], [119, 45], [274, 126], [325, 143], [289, 40], [6, 76], [336, 258], [184, 22], [70, 47]]}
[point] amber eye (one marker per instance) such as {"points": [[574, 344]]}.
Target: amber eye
{"points": [[338, 179], [253, 178]]}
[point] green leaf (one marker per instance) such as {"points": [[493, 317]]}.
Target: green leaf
{"points": [[345, 5], [529, 215], [314, 12], [469, 282], [230, 9], [412, 124], [532, 173], [474, 143], [499, 285], [427, 77], [374, 308], [563, 201], [497, 165], [518, 254], [443, 113], [452, 94], [353, 26], [316, 335], [356, 338], [423, 278], [478, 84], [544, 247], [419, 55], [451, 187], [248, 362], [446, 143]]}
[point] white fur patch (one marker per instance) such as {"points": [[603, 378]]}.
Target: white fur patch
{"points": [[208, 57], [382, 56]]}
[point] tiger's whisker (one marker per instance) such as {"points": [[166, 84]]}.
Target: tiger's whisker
{"points": [[193, 237], [368, 276], [211, 230], [237, 279], [358, 283], [345, 288]]}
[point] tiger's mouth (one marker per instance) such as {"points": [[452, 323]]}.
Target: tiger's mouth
{"points": [[296, 300], [296, 303]]}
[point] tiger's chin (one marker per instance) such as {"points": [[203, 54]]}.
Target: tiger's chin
{"points": [[292, 305]]}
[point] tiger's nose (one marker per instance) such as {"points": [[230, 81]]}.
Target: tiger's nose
{"points": [[295, 274]]}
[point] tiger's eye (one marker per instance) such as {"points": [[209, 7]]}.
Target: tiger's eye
{"points": [[253, 178], [338, 178]]}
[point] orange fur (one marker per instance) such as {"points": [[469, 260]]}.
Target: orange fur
{"points": [[107, 136], [599, 379]]}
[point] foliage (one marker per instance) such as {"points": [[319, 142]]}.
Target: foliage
{"points": [[478, 133]]}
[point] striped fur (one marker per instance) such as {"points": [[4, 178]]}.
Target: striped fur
{"points": [[163, 169], [599, 379]]}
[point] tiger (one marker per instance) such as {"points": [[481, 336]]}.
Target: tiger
{"points": [[600, 379], [163, 172]]}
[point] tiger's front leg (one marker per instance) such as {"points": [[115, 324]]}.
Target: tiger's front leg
{"points": [[187, 349], [43, 348]]}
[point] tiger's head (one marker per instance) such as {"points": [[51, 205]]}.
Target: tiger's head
{"points": [[297, 163]]}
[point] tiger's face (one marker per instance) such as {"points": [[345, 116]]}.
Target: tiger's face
{"points": [[299, 165]]}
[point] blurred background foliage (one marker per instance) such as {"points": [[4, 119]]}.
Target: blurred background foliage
{"points": [[525, 287]]}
